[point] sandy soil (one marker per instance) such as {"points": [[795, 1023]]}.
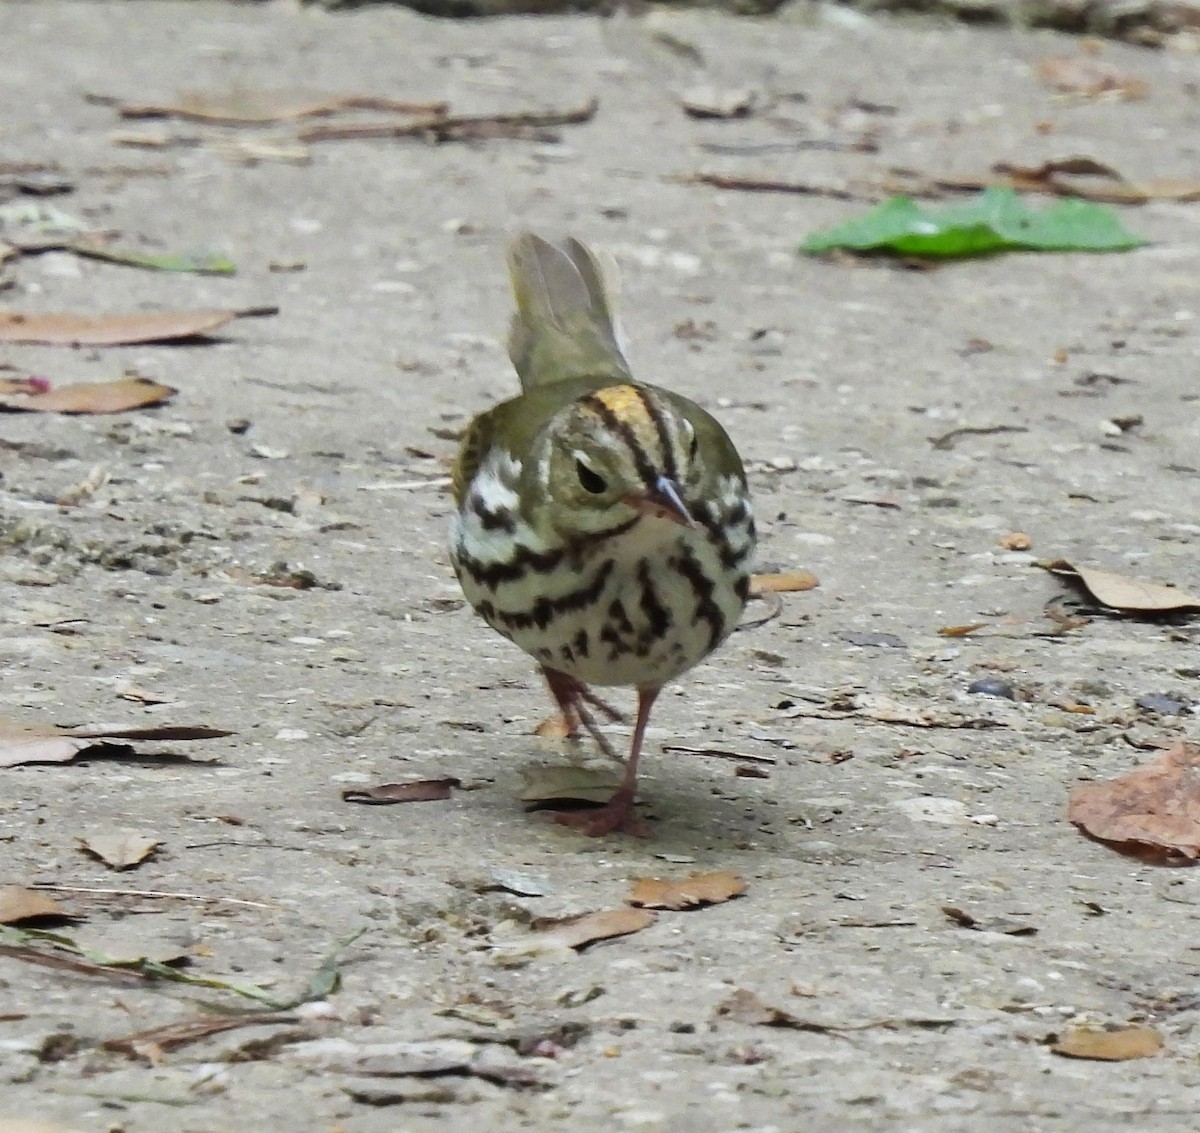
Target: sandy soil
{"points": [[385, 259]]}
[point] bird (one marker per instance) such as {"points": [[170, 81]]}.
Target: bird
{"points": [[602, 524]]}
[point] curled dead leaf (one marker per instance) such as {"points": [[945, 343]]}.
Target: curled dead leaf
{"points": [[1129, 594], [688, 893], [31, 744], [580, 931], [1152, 809], [1089, 77], [418, 791], [1118, 1045], [122, 850]]}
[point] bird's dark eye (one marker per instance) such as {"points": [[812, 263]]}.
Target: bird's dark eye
{"points": [[592, 481]]}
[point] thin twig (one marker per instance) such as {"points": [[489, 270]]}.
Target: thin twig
{"points": [[448, 127], [719, 753], [769, 185], [148, 893]]}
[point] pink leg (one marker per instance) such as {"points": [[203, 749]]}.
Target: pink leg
{"points": [[616, 816], [570, 695]]}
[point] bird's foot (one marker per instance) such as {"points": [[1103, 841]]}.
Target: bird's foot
{"points": [[614, 817]]}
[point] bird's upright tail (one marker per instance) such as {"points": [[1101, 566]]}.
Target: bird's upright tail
{"points": [[564, 326]]}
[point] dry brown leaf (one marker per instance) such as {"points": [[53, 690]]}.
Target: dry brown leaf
{"points": [[689, 893], [17, 904], [92, 397], [1090, 77], [120, 851], [578, 932], [20, 743], [60, 329], [1109, 1046], [1081, 176], [783, 582], [1121, 593], [1153, 809], [417, 791]]}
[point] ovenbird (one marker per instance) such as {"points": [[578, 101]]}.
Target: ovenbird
{"points": [[603, 525]]}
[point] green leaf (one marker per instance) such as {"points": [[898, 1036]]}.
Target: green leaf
{"points": [[199, 263], [996, 220]]}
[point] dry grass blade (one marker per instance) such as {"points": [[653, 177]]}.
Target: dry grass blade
{"points": [[155, 1040], [259, 108]]}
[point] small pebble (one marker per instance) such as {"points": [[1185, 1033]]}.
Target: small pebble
{"points": [[992, 686], [1163, 705]]}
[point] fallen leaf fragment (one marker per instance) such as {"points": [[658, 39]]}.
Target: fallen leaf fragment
{"points": [[744, 1006], [712, 102], [961, 631], [60, 329], [92, 397], [1089, 77], [1006, 925], [580, 931], [120, 851], [1152, 809], [553, 727], [1121, 593], [689, 893], [417, 791], [31, 744], [1119, 1045], [17, 904], [783, 582], [1015, 541]]}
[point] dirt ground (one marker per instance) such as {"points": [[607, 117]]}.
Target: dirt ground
{"points": [[385, 258]]}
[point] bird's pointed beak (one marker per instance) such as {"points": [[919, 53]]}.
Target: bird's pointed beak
{"points": [[663, 501]]}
